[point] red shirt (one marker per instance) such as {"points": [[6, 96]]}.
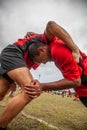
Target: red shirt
{"points": [[63, 59], [62, 56]]}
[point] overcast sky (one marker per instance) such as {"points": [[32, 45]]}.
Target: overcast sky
{"points": [[19, 16]]}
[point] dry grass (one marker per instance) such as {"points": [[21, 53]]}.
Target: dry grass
{"points": [[64, 113]]}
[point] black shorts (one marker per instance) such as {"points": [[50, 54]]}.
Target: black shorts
{"points": [[11, 58], [84, 100]]}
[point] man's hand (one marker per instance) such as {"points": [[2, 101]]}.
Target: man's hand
{"points": [[28, 34], [77, 56], [34, 90]]}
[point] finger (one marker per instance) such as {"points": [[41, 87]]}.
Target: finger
{"points": [[77, 60], [32, 85], [33, 82], [31, 33], [33, 97], [32, 89], [27, 35], [32, 94], [80, 57]]}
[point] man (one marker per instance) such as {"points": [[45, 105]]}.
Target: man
{"points": [[75, 75], [15, 65]]}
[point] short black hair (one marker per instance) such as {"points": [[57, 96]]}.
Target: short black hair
{"points": [[33, 49]]}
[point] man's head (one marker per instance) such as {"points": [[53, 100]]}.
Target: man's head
{"points": [[39, 52]]}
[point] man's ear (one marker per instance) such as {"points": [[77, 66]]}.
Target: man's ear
{"points": [[41, 49]]}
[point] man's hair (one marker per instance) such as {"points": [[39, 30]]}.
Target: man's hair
{"points": [[33, 49]]}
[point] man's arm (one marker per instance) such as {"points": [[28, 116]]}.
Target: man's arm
{"points": [[57, 85], [53, 29], [61, 84]]}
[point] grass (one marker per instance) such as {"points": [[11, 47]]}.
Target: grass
{"points": [[64, 113]]}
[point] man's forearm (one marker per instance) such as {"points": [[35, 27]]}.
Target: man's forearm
{"points": [[61, 84], [53, 29]]}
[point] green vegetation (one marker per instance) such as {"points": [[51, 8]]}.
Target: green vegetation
{"points": [[63, 113]]}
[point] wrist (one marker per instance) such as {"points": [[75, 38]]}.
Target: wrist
{"points": [[75, 49], [42, 87]]}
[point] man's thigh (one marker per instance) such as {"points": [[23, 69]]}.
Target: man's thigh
{"points": [[21, 75]]}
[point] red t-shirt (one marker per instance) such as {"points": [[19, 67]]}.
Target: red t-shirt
{"points": [[63, 59]]}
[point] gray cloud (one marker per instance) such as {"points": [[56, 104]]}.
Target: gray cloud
{"points": [[19, 16]]}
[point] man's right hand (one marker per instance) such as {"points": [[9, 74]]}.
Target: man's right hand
{"points": [[34, 90], [77, 56]]}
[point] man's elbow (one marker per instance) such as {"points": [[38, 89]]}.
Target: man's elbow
{"points": [[50, 30], [50, 24], [77, 82]]}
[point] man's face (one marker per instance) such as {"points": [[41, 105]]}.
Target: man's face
{"points": [[44, 55]]}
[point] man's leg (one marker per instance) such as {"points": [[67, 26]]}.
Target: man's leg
{"points": [[12, 90], [4, 87], [23, 77]]}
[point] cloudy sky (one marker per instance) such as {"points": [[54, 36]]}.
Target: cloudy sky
{"points": [[20, 16]]}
